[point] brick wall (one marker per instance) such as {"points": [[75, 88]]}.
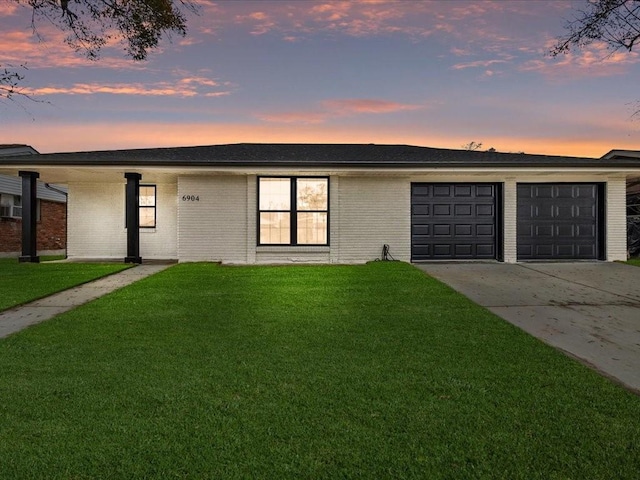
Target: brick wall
{"points": [[51, 229], [10, 235]]}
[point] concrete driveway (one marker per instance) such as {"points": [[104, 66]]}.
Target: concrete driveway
{"points": [[589, 310]]}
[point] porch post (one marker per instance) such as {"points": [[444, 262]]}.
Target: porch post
{"points": [[133, 217], [29, 217]]}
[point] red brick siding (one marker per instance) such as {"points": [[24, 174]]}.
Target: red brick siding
{"points": [[10, 235], [51, 229]]}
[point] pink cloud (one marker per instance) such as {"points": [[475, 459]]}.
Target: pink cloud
{"points": [[594, 60], [186, 87], [338, 108], [366, 105], [294, 117], [8, 8], [478, 63], [261, 22], [20, 47]]}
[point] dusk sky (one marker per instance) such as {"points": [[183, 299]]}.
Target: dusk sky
{"points": [[430, 73]]}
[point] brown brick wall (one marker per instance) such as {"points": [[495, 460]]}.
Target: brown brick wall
{"points": [[51, 228], [10, 235]]}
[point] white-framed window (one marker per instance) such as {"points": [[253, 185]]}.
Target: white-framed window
{"points": [[293, 211]]}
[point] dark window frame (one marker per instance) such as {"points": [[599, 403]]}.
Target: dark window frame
{"points": [[293, 210], [154, 207]]}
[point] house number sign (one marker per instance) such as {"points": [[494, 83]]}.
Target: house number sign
{"points": [[190, 198]]}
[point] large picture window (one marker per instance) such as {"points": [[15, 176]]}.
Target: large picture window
{"points": [[293, 210]]}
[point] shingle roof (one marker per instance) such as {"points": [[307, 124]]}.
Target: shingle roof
{"points": [[17, 149], [310, 155]]}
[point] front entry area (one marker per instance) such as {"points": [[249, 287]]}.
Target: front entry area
{"points": [[454, 221]]}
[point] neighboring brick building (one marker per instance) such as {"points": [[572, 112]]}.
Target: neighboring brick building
{"points": [[52, 212]]}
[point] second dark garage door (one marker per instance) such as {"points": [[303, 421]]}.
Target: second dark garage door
{"points": [[561, 221], [454, 221]]}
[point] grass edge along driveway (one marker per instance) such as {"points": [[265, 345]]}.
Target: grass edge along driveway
{"points": [[21, 283], [367, 371]]}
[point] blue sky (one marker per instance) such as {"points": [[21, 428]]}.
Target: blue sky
{"points": [[433, 73]]}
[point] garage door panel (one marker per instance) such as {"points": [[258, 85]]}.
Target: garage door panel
{"points": [[525, 228], [485, 211], [565, 251], [586, 191], [462, 190], [421, 230], [557, 221], [524, 251], [485, 191], [542, 230], [566, 191], [442, 230], [421, 190], [463, 210], [586, 230], [464, 250], [422, 210], [423, 250], [442, 190], [541, 191], [586, 251], [566, 231], [440, 210], [485, 231], [442, 250], [462, 224], [486, 251], [544, 251], [585, 212], [463, 230]]}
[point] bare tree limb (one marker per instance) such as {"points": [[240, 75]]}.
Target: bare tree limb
{"points": [[615, 22], [91, 24]]}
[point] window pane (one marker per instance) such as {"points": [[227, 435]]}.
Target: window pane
{"points": [[147, 196], [147, 216], [275, 194], [275, 228], [312, 228], [312, 193]]}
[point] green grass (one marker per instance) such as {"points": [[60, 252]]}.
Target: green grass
{"points": [[634, 261], [373, 371], [23, 282]]}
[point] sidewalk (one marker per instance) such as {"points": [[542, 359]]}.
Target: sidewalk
{"points": [[17, 318]]}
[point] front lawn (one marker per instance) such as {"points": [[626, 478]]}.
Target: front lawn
{"points": [[23, 282], [372, 371], [634, 261]]}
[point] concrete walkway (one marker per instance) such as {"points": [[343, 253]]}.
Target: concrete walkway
{"points": [[16, 319], [589, 310]]}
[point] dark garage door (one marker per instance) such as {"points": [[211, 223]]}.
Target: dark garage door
{"points": [[453, 221], [560, 221]]}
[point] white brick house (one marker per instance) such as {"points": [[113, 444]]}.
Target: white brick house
{"points": [[283, 203]]}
